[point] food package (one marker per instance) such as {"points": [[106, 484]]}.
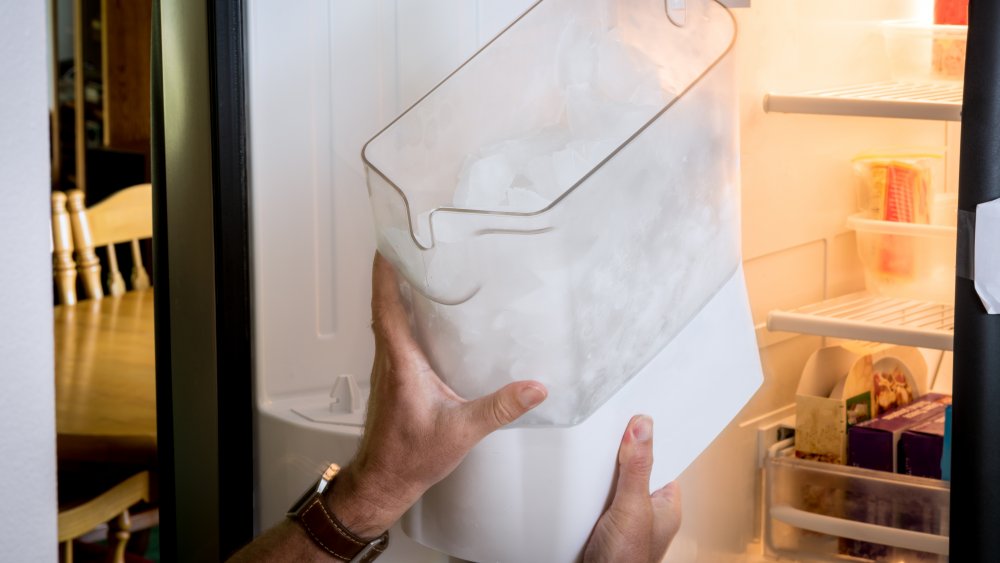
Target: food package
{"points": [[848, 384], [921, 448], [896, 185], [892, 384], [951, 12], [873, 444], [948, 56]]}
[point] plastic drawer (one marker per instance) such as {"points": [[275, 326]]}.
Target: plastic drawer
{"points": [[823, 512], [907, 260]]}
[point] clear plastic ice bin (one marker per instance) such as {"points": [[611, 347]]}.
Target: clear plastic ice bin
{"points": [[567, 200]]}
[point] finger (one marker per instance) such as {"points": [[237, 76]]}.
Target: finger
{"points": [[489, 413], [635, 459], [666, 516]]}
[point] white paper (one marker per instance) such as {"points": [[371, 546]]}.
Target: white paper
{"points": [[987, 259]]}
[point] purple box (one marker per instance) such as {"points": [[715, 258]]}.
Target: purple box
{"points": [[920, 449], [873, 444]]}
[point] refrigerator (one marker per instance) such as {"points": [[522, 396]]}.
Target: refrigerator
{"points": [[818, 84]]}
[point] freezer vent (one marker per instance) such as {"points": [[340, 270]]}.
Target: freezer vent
{"points": [[934, 100], [863, 316]]}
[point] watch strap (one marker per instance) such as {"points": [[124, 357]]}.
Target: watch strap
{"points": [[333, 537]]}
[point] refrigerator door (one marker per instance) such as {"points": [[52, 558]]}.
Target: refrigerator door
{"points": [[323, 77]]}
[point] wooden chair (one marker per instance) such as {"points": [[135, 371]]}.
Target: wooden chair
{"points": [[126, 216], [63, 267], [89, 501], [98, 493]]}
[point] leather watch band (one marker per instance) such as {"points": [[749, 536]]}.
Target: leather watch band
{"points": [[328, 533]]}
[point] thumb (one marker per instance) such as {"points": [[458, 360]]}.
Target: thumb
{"points": [[635, 459], [489, 413]]}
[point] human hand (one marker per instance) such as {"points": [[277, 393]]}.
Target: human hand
{"points": [[417, 430], [638, 526]]}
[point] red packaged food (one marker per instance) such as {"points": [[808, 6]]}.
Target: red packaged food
{"points": [[951, 12]]}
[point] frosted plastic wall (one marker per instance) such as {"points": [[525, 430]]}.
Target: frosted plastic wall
{"points": [[602, 259]]}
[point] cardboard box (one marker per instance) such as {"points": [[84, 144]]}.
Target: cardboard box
{"points": [[874, 444], [921, 448], [838, 390]]}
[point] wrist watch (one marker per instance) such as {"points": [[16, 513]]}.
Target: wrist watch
{"points": [[311, 513]]}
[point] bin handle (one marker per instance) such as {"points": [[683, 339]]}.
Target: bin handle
{"points": [[862, 531]]}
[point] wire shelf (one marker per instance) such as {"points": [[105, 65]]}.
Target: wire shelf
{"points": [[863, 316], [941, 101]]}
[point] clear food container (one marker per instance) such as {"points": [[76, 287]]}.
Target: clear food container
{"points": [[907, 260], [824, 512], [899, 184], [921, 52], [567, 200]]}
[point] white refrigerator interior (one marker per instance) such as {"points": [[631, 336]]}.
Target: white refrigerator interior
{"points": [[326, 75]]}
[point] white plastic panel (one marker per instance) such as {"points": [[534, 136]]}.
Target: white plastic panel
{"points": [[325, 75]]}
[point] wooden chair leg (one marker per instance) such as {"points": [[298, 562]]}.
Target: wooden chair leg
{"points": [[116, 283], [87, 264], [63, 266], [119, 531], [68, 551], [140, 279]]}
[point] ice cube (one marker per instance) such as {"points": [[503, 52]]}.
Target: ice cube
{"points": [[485, 184], [541, 176], [525, 200], [575, 55], [569, 166], [587, 112], [622, 70]]}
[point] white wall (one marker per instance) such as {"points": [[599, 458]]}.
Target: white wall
{"points": [[27, 395]]}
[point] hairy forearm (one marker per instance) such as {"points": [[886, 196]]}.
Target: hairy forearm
{"points": [[284, 542], [368, 502], [357, 501]]}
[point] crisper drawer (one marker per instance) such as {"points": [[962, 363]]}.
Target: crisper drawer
{"points": [[823, 512]]}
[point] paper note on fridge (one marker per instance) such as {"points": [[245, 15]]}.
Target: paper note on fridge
{"points": [[987, 268]]}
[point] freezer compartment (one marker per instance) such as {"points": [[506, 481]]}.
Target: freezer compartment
{"points": [[568, 200], [818, 511], [907, 260]]}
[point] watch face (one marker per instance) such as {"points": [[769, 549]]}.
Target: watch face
{"points": [[303, 500], [328, 475]]}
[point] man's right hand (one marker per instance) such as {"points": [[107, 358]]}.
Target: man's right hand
{"points": [[638, 527]]}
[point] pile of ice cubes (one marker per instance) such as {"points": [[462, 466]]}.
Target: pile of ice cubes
{"points": [[609, 89], [582, 295]]}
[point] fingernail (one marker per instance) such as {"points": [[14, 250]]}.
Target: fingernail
{"points": [[530, 396], [642, 430]]}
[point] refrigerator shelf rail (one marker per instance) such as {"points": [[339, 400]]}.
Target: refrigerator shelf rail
{"points": [[937, 101], [874, 318]]}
